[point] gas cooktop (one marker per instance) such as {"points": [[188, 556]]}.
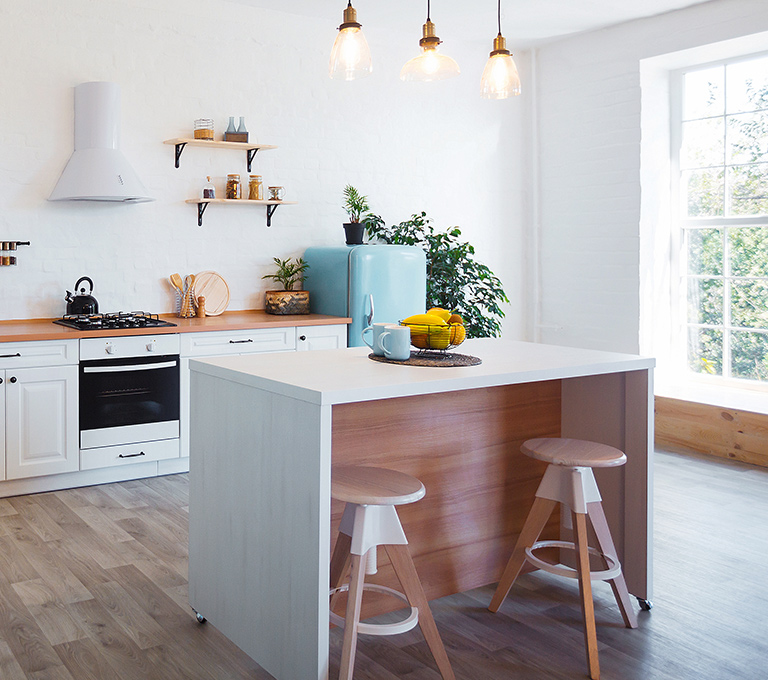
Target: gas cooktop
{"points": [[98, 322]]}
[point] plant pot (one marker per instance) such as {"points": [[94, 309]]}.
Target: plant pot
{"points": [[286, 302], [354, 232]]}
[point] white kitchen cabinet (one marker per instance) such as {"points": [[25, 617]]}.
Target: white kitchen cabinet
{"points": [[321, 337], [38, 408]]}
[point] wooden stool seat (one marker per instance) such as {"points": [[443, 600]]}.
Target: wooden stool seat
{"points": [[573, 452], [374, 486], [370, 520], [570, 482]]}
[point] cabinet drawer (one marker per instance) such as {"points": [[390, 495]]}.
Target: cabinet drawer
{"points": [[40, 353], [144, 452], [222, 343]]}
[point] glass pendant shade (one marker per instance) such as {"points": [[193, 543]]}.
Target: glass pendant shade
{"points": [[350, 56], [429, 65], [500, 78]]}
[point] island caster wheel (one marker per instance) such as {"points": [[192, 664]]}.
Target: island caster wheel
{"points": [[200, 618], [645, 605]]}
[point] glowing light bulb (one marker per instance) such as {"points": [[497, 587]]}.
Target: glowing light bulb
{"points": [[350, 56], [500, 77]]}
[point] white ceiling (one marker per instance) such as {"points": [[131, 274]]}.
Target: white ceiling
{"points": [[523, 23]]}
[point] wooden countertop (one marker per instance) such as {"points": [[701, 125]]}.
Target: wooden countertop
{"points": [[24, 330]]}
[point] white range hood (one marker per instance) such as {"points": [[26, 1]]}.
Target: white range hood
{"points": [[97, 170]]}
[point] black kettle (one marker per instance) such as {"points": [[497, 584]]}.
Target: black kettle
{"points": [[82, 302]]}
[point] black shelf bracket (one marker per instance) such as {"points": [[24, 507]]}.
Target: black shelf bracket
{"points": [[200, 210], [250, 153], [270, 211], [179, 148]]}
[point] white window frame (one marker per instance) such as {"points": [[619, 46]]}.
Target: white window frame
{"points": [[681, 224]]}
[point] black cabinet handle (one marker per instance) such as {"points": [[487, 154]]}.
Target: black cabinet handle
{"points": [[237, 342], [1, 381], [9, 356], [13, 379], [302, 337], [132, 455]]}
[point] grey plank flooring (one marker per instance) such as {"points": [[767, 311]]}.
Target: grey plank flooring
{"points": [[93, 587]]}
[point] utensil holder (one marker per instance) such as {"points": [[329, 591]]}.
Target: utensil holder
{"points": [[186, 305]]}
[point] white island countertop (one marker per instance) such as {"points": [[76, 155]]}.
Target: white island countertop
{"points": [[348, 375]]}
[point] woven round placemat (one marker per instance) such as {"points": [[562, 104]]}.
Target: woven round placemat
{"points": [[445, 359]]}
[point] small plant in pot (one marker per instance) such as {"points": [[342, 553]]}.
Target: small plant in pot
{"points": [[355, 204], [287, 301]]}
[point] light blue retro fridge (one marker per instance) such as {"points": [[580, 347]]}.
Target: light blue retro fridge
{"points": [[352, 281]]}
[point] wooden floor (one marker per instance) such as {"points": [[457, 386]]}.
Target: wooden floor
{"points": [[93, 587]]}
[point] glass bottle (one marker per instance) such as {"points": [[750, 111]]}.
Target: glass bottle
{"points": [[233, 187], [255, 188], [209, 191], [231, 126], [241, 127]]}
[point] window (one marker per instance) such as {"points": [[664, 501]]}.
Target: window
{"points": [[720, 160]]}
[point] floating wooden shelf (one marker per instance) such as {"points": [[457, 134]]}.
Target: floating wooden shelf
{"points": [[250, 149], [202, 204]]}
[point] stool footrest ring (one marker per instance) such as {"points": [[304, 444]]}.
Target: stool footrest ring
{"points": [[613, 570], [379, 628]]}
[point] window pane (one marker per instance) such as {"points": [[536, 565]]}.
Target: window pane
{"points": [[705, 301], [703, 93], [749, 304], [705, 350], [749, 355], [749, 251], [747, 137], [748, 85], [748, 189], [703, 143], [705, 251], [704, 193]]}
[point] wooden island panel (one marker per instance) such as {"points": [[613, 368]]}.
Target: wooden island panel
{"points": [[465, 448]]}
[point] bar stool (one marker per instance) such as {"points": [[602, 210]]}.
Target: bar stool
{"points": [[370, 520], [569, 480]]}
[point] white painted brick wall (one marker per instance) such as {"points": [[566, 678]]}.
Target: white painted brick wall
{"points": [[589, 155], [436, 147]]}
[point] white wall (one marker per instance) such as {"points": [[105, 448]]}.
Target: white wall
{"points": [[436, 147], [589, 151]]}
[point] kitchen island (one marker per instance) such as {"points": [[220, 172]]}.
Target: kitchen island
{"points": [[266, 428]]}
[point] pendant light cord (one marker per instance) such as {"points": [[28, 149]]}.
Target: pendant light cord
{"points": [[428, 19], [499, 17]]}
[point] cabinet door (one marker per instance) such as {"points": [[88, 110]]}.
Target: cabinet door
{"points": [[2, 425], [321, 337], [41, 421]]}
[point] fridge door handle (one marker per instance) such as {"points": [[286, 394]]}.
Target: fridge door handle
{"points": [[369, 315]]}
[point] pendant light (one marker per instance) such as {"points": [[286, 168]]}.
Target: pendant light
{"points": [[500, 78], [350, 56], [430, 64]]}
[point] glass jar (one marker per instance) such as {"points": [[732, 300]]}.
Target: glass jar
{"points": [[255, 188], [209, 191], [233, 190], [204, 128]]}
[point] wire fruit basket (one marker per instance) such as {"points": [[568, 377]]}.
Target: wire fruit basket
{"points": [[436, 337]]}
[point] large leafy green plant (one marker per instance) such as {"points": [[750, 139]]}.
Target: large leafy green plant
{"points": [[455, 280]]}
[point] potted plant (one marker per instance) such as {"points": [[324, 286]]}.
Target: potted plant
{"points": [[355, 204], [287, 301]]}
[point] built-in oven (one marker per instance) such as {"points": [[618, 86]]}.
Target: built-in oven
{"points": [[129, 390]]}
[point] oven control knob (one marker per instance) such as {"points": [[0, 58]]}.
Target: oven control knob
{"points": [[110, 348], [151, 346]]}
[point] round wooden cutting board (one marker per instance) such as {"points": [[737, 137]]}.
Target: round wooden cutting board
{"points": [[214, 288]]}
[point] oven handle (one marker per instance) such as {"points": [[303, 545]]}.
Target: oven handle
{"points": [[123, 369]]}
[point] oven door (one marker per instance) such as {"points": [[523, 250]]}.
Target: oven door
{"points": [[128, 400]]}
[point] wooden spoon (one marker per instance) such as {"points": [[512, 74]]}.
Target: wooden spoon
{"points": [[177, 284]]}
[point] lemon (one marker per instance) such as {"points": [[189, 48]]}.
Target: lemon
{"points": [[444, 314]]}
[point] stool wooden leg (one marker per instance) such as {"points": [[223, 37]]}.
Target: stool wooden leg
{"points": [[352, 619], [605, 543], [534, 524], [339, 564], [585, 590], [402, 562]]}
